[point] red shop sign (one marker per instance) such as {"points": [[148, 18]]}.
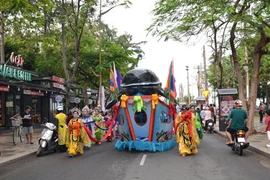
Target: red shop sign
{"points": [[58, 79], [4, 88]]}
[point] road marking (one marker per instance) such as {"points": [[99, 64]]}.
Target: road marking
{"points": [[143, 160]]}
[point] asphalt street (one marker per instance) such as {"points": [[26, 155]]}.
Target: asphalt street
{"points": [[215, 161]]}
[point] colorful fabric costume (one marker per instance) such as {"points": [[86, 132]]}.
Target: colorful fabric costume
{"points": [[62, 128], [99, 133], [186, 134], [199, 128], [107, 124], [77, 137]]}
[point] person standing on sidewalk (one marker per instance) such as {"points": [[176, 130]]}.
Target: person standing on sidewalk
{"points": [[261, 112], [27, 124], [267, 126]]}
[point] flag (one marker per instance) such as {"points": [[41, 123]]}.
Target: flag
{"points": [[170, 84], [101, 99], [119, 79], [113, 79]]}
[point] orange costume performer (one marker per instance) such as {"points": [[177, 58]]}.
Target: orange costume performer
{"points": [[76, 136], [186, 135]]}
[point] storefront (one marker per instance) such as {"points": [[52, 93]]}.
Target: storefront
{"points": [[20, 88]]}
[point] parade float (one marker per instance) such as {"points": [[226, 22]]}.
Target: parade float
{"points": [[145, 113]]}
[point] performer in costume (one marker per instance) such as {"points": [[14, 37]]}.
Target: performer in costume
{"points": [[97, 117], [76, 136], [62, 128], [86, 119], [109, 122], [186, 134], [198, 124]]}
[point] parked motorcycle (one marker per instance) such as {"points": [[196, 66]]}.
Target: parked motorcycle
{"points": [[239, 142], [209, 125], [48, 140]]}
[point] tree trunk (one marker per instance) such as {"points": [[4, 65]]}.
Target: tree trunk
{"points": [[64, 59], [257, 54], [2, 39], [237, 66], [85, 95]]}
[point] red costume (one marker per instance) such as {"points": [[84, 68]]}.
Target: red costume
{"points": [[107, 124]]}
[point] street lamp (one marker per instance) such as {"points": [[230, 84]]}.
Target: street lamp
{"points": [[188, 85], [245, 67]]}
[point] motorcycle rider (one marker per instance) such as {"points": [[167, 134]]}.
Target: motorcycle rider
{"points": [[237, 121]]}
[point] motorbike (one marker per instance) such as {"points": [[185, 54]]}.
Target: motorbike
{"points": [[209, 125], [239, 142], [48, 140]]}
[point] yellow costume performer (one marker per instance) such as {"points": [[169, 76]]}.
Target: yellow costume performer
{"points": [[62, 128], [186, 134], [76, 136]]}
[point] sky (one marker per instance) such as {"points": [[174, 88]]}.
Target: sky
{"points": [[158, 54]]}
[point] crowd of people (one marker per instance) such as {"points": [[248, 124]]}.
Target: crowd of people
{"points": [[79, 129], [76, 129]]}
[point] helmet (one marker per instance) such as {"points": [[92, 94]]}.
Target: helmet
{"points": [[59, 108], [27, 107], [238, 103]]}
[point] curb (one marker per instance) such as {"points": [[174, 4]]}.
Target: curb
{"points": [[251, 147], [17, 158]]}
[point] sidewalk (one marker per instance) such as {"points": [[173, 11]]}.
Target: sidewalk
{"points": [[257, 142], [11, 152]]}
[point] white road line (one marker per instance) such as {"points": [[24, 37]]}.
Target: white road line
{"points": [[143, 160]]}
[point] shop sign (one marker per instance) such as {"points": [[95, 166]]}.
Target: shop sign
{"points": [[19, 74], [58, 98], [4, 88], [9, 104], [33, 93], [77, 100], [59, 86], [58, 79], [72, 99]]}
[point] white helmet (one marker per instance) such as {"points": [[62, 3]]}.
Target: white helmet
{"points": [[238, 103], [60, 108]]}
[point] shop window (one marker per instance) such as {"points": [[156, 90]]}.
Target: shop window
{"points": [[140, 118]]}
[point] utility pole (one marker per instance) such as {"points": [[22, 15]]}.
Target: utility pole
{"points": [[199, 83], [188, 85], [205, 73], [100, 58], [181, 93]]}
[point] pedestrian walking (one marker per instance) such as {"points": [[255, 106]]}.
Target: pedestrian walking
{"points": [[261, 112], [267, 126], [27, 125]]}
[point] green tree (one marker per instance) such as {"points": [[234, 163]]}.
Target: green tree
{"points": [[181, 20]]}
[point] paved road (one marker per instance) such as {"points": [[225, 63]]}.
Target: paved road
{"points": [[215, 161]]}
